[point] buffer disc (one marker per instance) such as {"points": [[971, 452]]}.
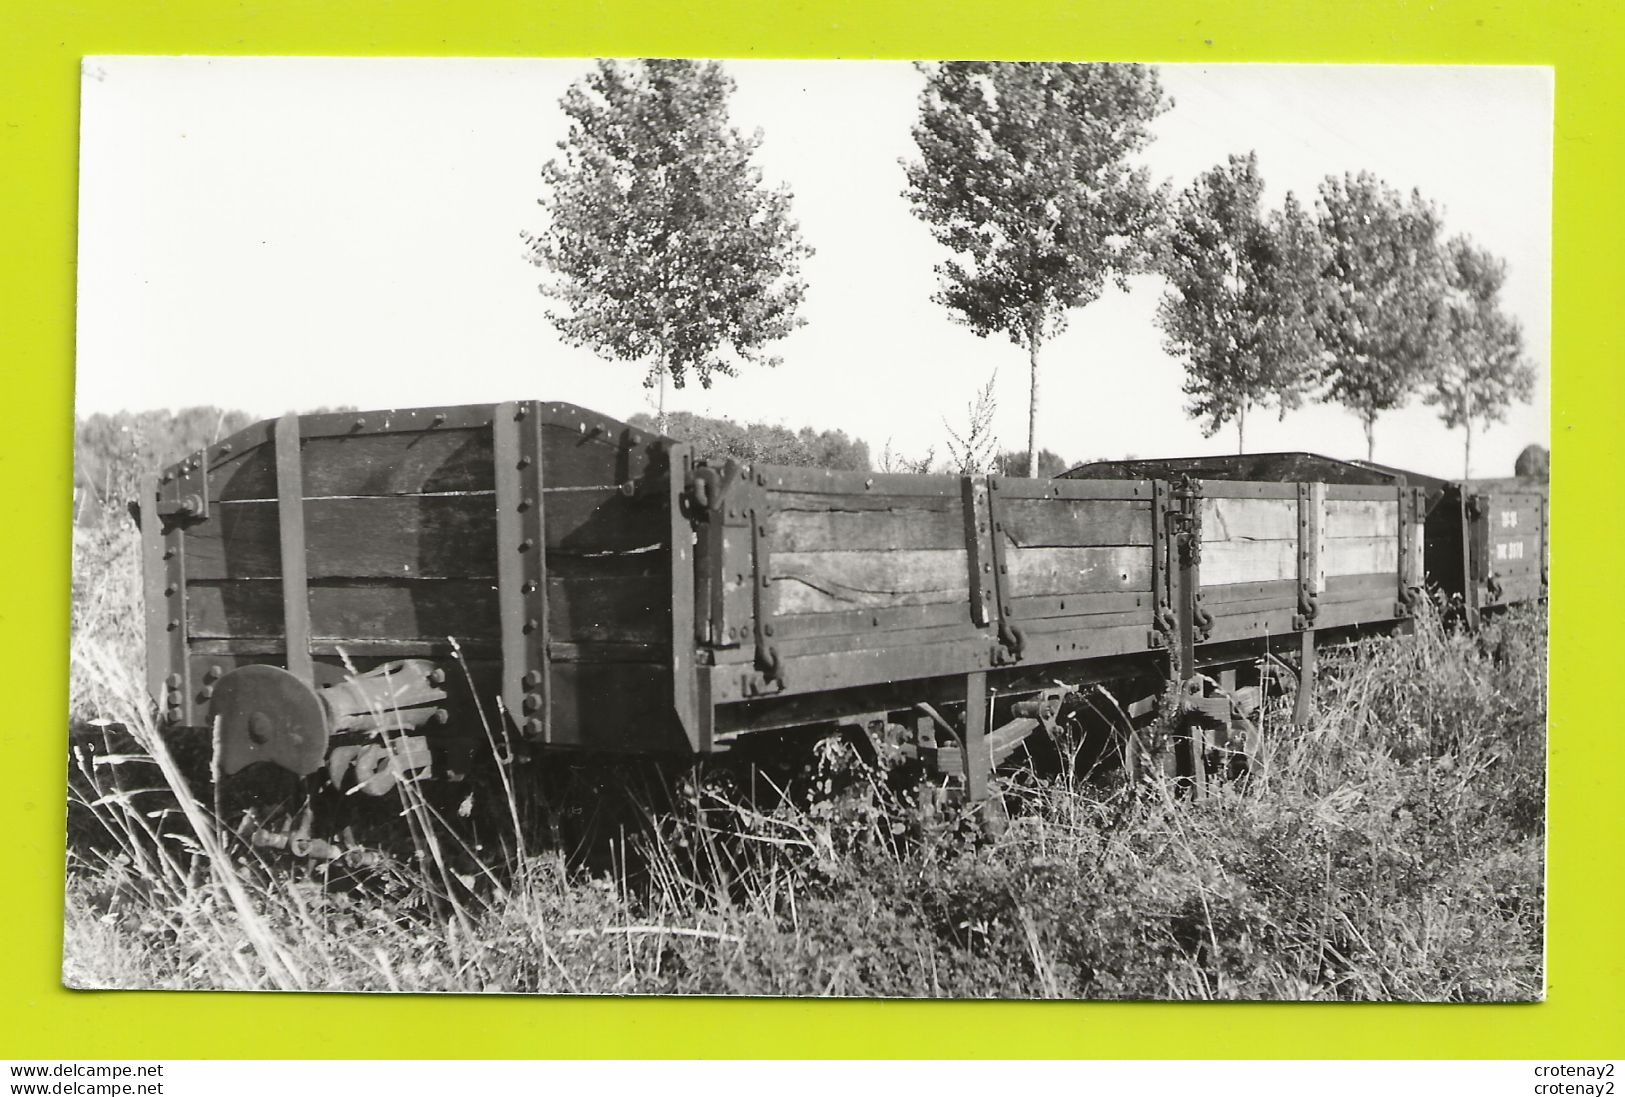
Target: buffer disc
{"points": [[266, 714]]}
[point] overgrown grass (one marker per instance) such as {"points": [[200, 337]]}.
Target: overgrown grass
{"points": [[1390, 850]]}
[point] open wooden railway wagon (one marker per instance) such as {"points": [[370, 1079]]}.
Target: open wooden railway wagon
{"points": [[1488, 541], [1485, 544], [316, 585]]}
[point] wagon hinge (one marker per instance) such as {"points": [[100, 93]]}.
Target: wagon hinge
{"points": [[1309, 507], [1188, 537], [1202, 618], [769, 663], [978, 548], [1164, 627], [1186, 523], [1012, 639], [1164, 622], [706, 487]]}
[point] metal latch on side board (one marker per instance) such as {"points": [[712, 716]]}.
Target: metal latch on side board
{"points": [[183, 491]]}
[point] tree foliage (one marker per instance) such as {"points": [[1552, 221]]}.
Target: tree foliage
{"points": [[1382, 321], [1481, 369], [1025, 175], [667, 247], [1243, 297], [716, 439], [1014, 463], [112, 452], [1534, 461]]}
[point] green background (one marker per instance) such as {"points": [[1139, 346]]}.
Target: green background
{"points": [[40, 46]]}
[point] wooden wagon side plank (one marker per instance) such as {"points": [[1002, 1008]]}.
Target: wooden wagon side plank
{"points": [[813, 582], [346, 609], [1355, 588], [899, 524], [1247, 597], [1362, 518], [877, 621], [629, 608], [414, 536], [430, 460], [1247, 561], [1226, 519], [385, 537], [1057, 571], [1361, 556], [1075, 523]]}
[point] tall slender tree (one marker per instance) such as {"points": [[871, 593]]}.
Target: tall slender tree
{"points": [[1026, 174], [1242, 299], [1481, 368], [668, 249], [1383, 317]]}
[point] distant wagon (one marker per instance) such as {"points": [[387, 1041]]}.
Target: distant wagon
{"points": [[1486, 542], [361, 595]]}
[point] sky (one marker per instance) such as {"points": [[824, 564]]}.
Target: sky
{"points": [[273, 234]]}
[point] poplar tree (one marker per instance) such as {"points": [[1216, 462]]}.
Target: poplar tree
{"points": [[1382, 320], [1481, 369], [1243, 294], [1026, 174], [667, 248]]}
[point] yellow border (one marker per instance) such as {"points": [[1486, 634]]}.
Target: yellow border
{"points": [[39, 51]]}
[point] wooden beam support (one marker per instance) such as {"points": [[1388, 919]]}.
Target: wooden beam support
{"points": [[1193, 744], [978, 759], [1303, 709], [290, 503]]}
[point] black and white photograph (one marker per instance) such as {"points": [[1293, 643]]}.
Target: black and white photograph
{"points": [[869, 529]]}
